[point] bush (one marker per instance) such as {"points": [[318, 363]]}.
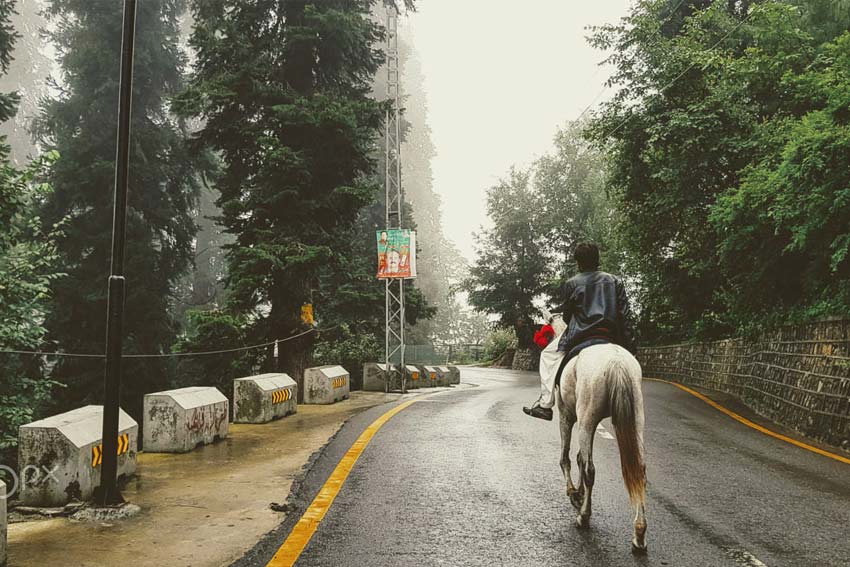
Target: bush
{"points": [[498, 341], [350, 350]]}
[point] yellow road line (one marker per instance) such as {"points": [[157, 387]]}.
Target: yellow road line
{"points": [[300, 535], [755, 426]]}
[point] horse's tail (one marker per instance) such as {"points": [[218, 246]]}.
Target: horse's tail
{"points": [[622, 402]]}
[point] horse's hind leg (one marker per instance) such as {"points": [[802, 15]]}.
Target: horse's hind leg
{"points": [[567, 421], [587, 472], [639, 540]]}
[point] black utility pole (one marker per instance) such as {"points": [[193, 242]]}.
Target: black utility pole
{"points": [[108, 492]]}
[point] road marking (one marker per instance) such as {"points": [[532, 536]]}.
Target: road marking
{"points": [[304, 529], [603, 432], [744, 557], [755, 426]]}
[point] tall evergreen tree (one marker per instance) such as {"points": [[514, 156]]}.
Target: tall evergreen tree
{"points": [[283, 88], [81, 125]]}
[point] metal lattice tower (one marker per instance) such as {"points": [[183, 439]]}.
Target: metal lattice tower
{"points": [[394, 346]]}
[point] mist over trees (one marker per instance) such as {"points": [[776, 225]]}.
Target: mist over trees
{"points": [[79, 125], [538, 215], [28, 72], [255, 188], [715, 179]]}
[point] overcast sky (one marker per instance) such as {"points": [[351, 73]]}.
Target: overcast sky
{"points": [[500, 76]]}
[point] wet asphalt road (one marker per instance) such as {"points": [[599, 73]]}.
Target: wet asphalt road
{"points": [[465, 478]]}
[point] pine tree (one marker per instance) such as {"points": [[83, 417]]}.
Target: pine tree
{"points": [[81, 125], [283, 89]]}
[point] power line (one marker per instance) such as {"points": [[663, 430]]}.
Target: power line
{"points": [[171, 354], [606, 87], [688, 68]]}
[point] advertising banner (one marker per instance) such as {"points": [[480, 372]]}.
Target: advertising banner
{"points": [[396, 253]]}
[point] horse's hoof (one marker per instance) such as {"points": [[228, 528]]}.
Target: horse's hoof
{"points": [[637, 549], [582, 522]]}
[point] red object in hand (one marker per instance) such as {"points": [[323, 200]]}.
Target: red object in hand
{"points": [[544, 336]]}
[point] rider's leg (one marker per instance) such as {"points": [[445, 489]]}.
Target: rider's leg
{"points": [[550, 360]]}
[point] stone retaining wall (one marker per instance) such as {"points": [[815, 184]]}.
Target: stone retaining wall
{"points": [[526, 359], [798, 376]]}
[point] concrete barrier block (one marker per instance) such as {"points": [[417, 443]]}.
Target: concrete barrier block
{"points": [[3, 523], [441, 378], [326, 384], [375, 377], [445, 375], [414, 377], [429, 377], [262, 398], [61, 456], [177, 421], [454, 374]]}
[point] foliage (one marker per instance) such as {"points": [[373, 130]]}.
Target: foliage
{"points": [[792, 207], [727, 151], [575, 207], [350, 348], [511, 266], [215, 330], [80, 122], [283, 91], [28, 267], [538, 217], [498, 341]]}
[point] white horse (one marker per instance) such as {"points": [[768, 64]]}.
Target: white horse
{"points": [[604, 381]]}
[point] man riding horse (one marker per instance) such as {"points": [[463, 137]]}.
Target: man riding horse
{"points": [[597, 310]]}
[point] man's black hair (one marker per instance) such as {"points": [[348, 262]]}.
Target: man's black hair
{"points": [[587, 256]]}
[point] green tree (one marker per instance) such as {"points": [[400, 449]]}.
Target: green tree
{"points": [[791, 210], [727, 144], [512, 265], [677, 135], [80, 123], [283, 89], [28, 266], [575, 207]]}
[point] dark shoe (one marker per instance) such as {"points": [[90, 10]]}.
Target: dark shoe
{"points": [[538, 412]]}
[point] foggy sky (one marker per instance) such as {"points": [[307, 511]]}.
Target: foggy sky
{"points": [[500, 76]]}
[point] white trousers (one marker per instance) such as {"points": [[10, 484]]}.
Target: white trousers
{"points": [[550, 361]]}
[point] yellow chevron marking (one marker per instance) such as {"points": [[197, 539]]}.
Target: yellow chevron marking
{"points": [[97, 450], [280, 396]]}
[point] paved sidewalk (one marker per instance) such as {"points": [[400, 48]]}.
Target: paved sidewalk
{"points": [[204, 508]]}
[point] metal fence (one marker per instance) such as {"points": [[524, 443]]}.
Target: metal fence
{"points": [[796, 375]]}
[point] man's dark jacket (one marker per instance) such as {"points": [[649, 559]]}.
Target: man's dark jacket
{"points": [[596, 306]]}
